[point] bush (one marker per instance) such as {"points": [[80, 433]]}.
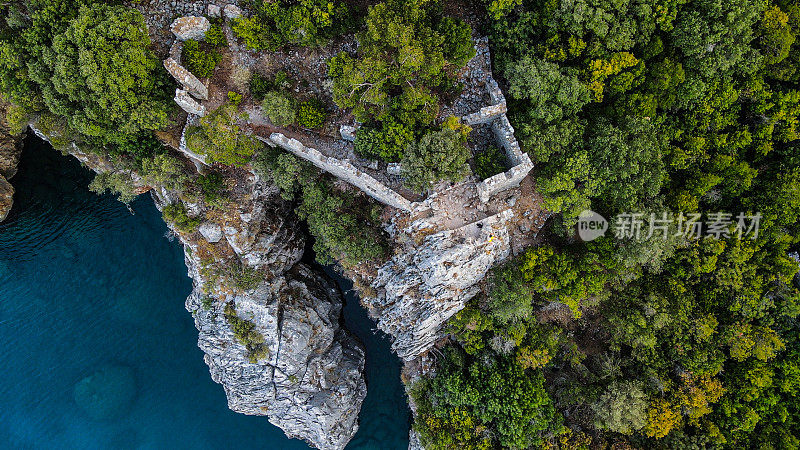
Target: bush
{"points": [[139, 147], [245, 332], [387, 143], [341, 226], [278, 109], [176, 214], [345, 227], [116, 183], [215, 37], [198, 61], [221, 139], [311, 114], [102, 75], [439, 155], [165, 170], [212, 187], [276, 23], [490, 162]]}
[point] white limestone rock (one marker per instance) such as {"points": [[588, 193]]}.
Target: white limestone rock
{"points": [[189, 104], [232, 12], [211, 232], [190, 27]]}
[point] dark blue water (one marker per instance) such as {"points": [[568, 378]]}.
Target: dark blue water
{"points": [[97, 350]]}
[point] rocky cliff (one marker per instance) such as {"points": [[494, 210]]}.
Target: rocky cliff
{"points": [[308, 377], [10, 150], [268, 324]]}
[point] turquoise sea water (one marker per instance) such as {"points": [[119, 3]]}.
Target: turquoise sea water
{"points": [[97, 349]]}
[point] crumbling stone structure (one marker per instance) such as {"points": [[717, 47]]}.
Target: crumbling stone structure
{"points": [[188, 103], [190, 83], [341, 169], [504, 133]]}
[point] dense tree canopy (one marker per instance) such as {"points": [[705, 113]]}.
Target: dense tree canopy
{"points": [[90, 64], [649, 106]]}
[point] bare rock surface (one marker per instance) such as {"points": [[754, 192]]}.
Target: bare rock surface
{"points": [[6, 198], [309, 378]]}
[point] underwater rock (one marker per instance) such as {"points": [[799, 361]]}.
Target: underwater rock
{"points": [[107, 393]]}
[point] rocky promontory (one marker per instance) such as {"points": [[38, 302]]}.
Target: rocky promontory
{"points": [[268, 323]]}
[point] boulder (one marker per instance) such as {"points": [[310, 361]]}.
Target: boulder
{"points": [[190, 27], [233, 12], [189, 104], [190, 83], [214, 11], [211, 232]]}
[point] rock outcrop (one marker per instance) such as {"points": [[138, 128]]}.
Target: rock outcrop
{"points": [[419, 290], [308, 379], [6, 198], [10, 151]]}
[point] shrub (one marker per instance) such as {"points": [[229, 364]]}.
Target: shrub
{"points": [[139, 147], [276, 23], [176, 214], [165, 170], [278, 108], [101, 75], [221, 139], [198, 61], [490, 162], [387, 143], [439, 155], [340, 225], [215, 37], [245, 332], [311, 114], [241, 78], [212, 187], [116, 183], [259, 86]]}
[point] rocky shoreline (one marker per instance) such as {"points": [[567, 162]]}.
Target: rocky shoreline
{"points": [[309, 380]]}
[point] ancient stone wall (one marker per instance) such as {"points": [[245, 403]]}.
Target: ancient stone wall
{"points": [[188, 103], [341, 169], [520, 162], [487, 114]]}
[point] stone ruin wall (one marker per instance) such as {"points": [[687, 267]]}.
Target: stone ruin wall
{"points": [[341, 169], [521, 163]]}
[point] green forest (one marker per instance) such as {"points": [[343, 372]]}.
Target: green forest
{"points": [[671, 341], [688, 108]]}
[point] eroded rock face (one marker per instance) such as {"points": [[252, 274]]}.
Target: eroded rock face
{"points": [[6, 198], [309, 380], [310, 384], [419, 290]]}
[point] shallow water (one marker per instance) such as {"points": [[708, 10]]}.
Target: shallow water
{"points": [[97, 348]]}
